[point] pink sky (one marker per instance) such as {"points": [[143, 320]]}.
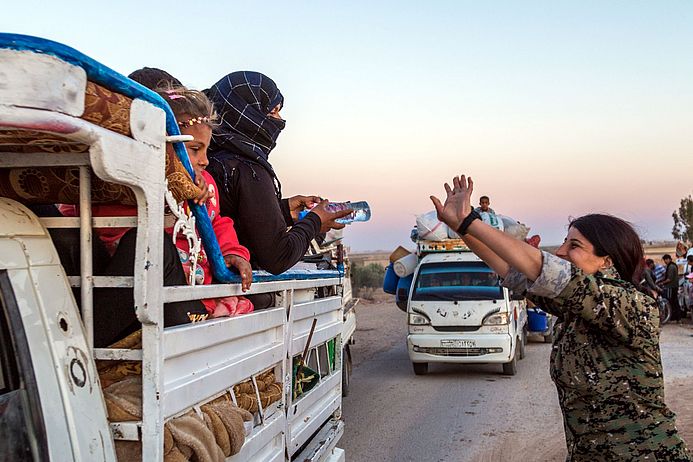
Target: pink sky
{"points": [[555, 108], [539, 170]]}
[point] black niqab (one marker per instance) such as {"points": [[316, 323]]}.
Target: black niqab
{"points": [[243, 101]]}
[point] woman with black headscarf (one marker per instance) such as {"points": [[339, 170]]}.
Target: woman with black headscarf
{"points": [[248, 104]]}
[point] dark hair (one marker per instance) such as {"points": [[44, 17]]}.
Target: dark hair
{"points": [[484, 197], [690, 257], [191, 103], [615, 238], [152, 78], [666, 256], [649, 262]]}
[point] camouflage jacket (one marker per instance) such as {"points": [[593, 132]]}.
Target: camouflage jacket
{"points": [[606, 364]]}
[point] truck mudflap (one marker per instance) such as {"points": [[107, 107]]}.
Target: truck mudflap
{"points": [[322, 447]]}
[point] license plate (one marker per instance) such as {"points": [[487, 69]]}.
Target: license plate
{"points": [[458, 343]]}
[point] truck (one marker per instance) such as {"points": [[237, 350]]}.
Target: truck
{"points": [[458, 313], [333, 250], [74, 131]]}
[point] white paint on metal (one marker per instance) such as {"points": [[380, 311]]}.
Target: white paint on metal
{"points": [[86, 265], [129, 431], [349, 326], [41, 81], [324, 444], [104, 281], [18, 220], [179, 138], [178, 293], [39, 251], [117, 354], [42, 159], [147, 122], [311, 411], [329, 324], [96, 222], [266, 443]]}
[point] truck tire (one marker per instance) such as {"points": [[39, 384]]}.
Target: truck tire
{"points": [[525, 337], [510, 368], [420, 368], [346, 371], [521, 342]]}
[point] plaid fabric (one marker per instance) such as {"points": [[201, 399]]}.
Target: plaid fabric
{"points": [[243, 101]]}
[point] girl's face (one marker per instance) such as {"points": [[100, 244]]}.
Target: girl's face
{"points": [[580, 252], [197, 148]]}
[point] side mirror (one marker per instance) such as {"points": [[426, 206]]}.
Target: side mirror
{"points": [[401, 298]]}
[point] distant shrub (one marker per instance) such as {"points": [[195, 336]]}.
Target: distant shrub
{"points": [[366, 278]]}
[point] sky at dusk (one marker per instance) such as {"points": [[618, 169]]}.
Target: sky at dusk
{"points": [[556, 109]]}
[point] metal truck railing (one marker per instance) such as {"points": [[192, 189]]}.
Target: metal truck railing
{"points": [[185, 366]]}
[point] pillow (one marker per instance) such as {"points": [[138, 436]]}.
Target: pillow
{"points": [[50, 185]]}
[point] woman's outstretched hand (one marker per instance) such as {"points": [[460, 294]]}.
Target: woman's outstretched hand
{"points": [[299, 203], [458, 203], [327, 218]]}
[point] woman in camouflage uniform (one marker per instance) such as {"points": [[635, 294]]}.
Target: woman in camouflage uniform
{"points": [[605, 360]]}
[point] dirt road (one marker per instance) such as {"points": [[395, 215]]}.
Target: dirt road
{"points": [[466, 412]]}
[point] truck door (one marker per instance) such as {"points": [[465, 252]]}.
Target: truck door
{"points": [[21, 419]]}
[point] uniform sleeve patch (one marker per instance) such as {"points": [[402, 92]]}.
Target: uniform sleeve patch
{"points": [[555, 276]]}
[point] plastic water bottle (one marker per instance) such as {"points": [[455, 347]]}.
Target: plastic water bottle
{"points": [[361, 211]]}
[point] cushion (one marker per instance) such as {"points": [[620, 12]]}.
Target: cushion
{"points": [[49, 185]]}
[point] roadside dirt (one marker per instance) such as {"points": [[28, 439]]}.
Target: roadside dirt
{"points": [[380, 325], [516, 432]]}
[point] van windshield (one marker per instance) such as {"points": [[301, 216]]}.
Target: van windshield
{"points": [[457, 281]]}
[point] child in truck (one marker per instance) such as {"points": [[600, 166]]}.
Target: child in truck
{"points": [[195, 115]]}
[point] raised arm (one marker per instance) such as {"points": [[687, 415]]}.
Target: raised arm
{"points": [[457, 213]]}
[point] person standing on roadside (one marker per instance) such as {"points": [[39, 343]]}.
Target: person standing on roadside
{"points": [[648, 279], [605, 359], [688, 284], [670, 284]]}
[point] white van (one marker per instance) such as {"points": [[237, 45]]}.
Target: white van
{"points": [[458, 313]]}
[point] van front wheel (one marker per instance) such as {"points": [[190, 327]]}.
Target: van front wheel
{"points": [[510, 368], [521, 342], [420, 368]]}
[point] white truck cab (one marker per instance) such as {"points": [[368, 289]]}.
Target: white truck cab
{"points": [[458, 313]]}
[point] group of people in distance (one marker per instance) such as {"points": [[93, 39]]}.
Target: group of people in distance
{"points": [[235, 125], [664, 280]]}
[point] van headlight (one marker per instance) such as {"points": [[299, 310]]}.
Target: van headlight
{"points": [[497, 319], [416, 319]]}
